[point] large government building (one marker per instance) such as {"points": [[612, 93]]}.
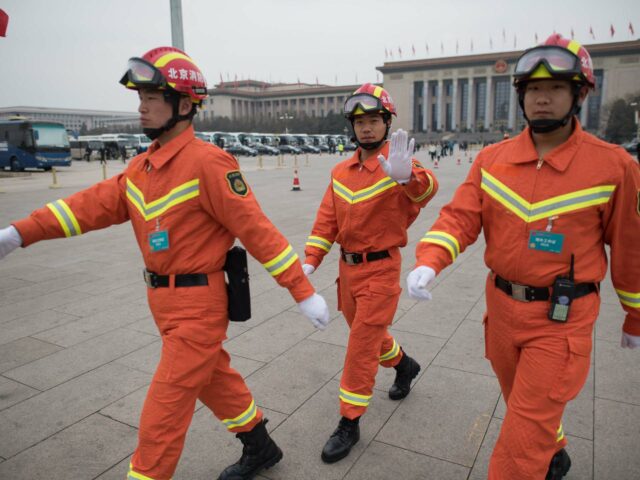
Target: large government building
{"points": [[467, 93]]}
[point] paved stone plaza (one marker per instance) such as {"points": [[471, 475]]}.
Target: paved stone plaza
{"points": [[78, 348]]}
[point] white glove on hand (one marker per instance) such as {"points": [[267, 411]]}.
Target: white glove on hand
{"points": [[308, 269], [398, 167], [630, 341], [418, 281], [316, 310], [10, 239]]}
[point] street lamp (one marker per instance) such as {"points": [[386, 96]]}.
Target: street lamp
{"points": [[286, 116]]}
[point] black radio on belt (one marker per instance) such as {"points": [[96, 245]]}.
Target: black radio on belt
{"points": [[237, 271], [562, 294]]}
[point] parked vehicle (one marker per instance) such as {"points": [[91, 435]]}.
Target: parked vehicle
{"points": [[306, 143], [143, 142], [631, 147], [289, 149], [33, 144], [320, 141], [238, 149], [86, 148]]}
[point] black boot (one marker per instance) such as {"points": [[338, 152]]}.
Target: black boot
{"points": [[259, 451], [559, 466], [406, 370], [340, 442]]}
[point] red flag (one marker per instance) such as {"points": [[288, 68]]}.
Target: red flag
{"points": [[413, 49], [631, 29], [573, 35], [612, 30], [4, 22], [593, 36]]}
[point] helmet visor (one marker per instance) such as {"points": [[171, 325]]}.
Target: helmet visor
{"points": [[558, 61], [367, 103], [142, 73]]}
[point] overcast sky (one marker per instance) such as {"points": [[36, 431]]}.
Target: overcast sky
{"points": [[71, 53]]}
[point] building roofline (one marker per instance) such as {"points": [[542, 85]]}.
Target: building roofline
{"points": [[69, 111], [312, 90], [461, 61]]}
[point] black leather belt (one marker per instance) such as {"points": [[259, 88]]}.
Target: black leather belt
{"points": [[356, 258], [153, 280], [524, 293]]}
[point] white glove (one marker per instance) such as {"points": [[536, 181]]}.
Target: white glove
{"points": [[308, 269], [630, 341], [398, 167], [418, 281], [316, 310], [10, 239]]}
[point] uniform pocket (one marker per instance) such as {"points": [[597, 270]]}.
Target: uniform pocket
{"points": [[382, 301], [573, 374]]}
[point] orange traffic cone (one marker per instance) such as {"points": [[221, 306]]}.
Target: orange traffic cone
{"points": [[435, 164], [296, 182], [458, 161]]}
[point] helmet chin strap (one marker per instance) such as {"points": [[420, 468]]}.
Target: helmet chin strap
{"points": [[370, 145], [547, 125], [174, 99]]}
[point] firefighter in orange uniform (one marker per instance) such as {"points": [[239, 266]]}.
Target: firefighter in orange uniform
{"points": [[372, 199], [548, 200], [187, 202]]}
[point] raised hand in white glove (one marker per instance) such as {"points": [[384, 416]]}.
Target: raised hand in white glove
{"points": [[316, 310], [308, 269], [630, 341], [418, 281], [398, 166], [10, 239]]}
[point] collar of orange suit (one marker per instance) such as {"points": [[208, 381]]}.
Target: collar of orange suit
{"points": [[158, 154], [523, 150], [372, 162]]}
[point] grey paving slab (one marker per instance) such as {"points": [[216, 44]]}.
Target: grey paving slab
{"points": [[382, 462], [41, 416], [33, 324], [71, 362], [291, 379], [465, 350], [97, 303], [616, 445], [617, 373], [32, 306], [445, 416], [35, 290], [82, 451], [24, 350], [609, 324], [127, 408], [145, 358], [12, 392]]}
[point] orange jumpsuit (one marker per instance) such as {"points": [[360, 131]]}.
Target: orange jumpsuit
{"points": [[194, 193], [589, 192], [364, 210]]}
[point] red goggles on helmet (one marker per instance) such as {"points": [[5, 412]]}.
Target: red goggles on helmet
{"points": [[142, 73], [366, 102], [558, 61]]}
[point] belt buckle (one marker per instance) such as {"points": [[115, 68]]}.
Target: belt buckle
{"points": [[350, 258], [149, 278], [519, 292]]}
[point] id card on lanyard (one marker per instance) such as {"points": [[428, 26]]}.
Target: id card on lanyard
{"points": [[158, 240], [546, 241]]}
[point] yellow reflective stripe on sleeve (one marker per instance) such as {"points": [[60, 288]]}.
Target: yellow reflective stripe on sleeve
{"points": [[629, 299], [531, 212], [65, 217], [354, 398], [366, 193], [444, 240], [393, 353], [560, 434], [131, 475], [281, 262], [177, 195], [319, 242], [242, 419], [426, 193]]}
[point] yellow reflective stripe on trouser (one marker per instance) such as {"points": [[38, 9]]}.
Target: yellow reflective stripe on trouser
{"points": [[65, 217], [629, 299], [393, 353], [425, 194], [354, 398], [560, 433], [319, 242], [131, 475], [177, 195], [531, 212], [444, 240], [281, 262], [242, 419], [354, 197]]}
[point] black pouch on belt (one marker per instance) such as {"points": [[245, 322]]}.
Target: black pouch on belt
{"points": [[237, 272]]}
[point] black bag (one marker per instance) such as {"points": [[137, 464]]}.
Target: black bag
{"points": [[237, 271]]}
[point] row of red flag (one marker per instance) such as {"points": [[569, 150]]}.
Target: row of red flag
{"points": [[389, 52]]}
